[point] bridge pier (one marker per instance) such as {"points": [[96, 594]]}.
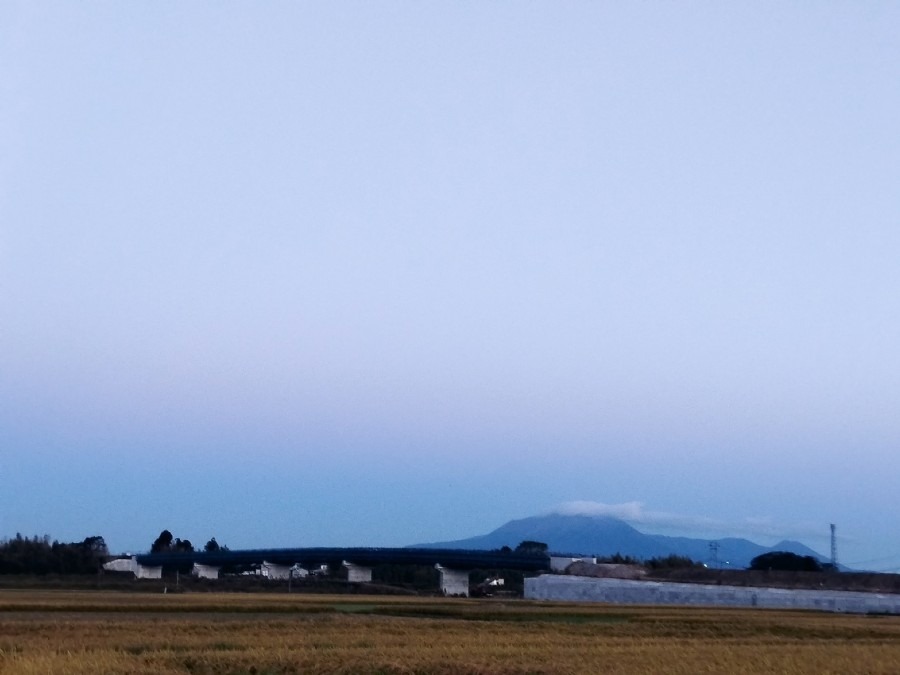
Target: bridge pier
{"points": [[143, 572], [276, 563], [132, 565], [453, 582], [273, 571], [205, 571], [358, 573]]}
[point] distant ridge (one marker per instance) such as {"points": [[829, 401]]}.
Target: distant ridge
{"points": [[606, 536]]}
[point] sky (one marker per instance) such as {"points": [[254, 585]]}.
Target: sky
{"points": [[353, 273]]}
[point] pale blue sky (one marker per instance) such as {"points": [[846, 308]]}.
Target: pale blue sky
{"points": [[373, 273]]}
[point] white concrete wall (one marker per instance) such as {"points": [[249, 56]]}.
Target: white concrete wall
{"points": [[205, 571], [559, 563], [358, 573], [121, 565], [273, 571], [622, 591], [454, 582], [148, 572], [131, 565]]}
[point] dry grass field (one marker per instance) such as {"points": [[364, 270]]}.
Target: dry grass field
{"points": [[107, 632]]}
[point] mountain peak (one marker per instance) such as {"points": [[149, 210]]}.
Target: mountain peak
{"points": [[605, 535]]}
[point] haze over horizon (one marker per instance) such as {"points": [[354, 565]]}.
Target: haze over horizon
{"points": [[370, 274]]}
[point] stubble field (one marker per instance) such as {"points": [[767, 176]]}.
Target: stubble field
{"points": [[107, 632]]}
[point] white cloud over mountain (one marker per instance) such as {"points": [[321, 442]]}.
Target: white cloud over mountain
{"points": [[635, 513]]}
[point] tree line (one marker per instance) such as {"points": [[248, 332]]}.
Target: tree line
{"points": [[38, 555]]}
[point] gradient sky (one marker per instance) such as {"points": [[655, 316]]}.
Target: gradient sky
{"points": [[377, 273]]}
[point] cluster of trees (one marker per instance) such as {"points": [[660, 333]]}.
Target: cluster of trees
{"points": [[166, 543], [783, 560], [527, 547], [38, 555], [775, 560], [671, 561], [661, 562]]}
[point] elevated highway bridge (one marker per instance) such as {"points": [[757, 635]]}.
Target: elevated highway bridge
{"points": [[454, 565]]}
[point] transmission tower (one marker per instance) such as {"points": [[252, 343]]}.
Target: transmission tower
{"points": [[833, 548], [714, 553]]}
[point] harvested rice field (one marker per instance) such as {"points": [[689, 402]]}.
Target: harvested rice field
{"points": [[108, 632]]}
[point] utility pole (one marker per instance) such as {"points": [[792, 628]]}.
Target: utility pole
{"points": [[833, 548]]}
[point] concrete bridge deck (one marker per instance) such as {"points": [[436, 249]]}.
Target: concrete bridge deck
{"points": [[453, 565], [368, 557]]}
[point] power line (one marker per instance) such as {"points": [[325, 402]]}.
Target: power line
{"points": [[895, 556], [887, 569]]}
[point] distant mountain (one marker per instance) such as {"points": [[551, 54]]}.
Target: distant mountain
{"points": [[606, 536]]}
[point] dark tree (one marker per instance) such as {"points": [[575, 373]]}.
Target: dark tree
{"points": [[784, 560], [532, 548], [619, 559], [163, 542], [96, 546], [211, 546], [672, 561], [183, 546]]}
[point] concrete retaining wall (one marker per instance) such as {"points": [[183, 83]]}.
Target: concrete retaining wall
{"points": [[589, 589]]}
